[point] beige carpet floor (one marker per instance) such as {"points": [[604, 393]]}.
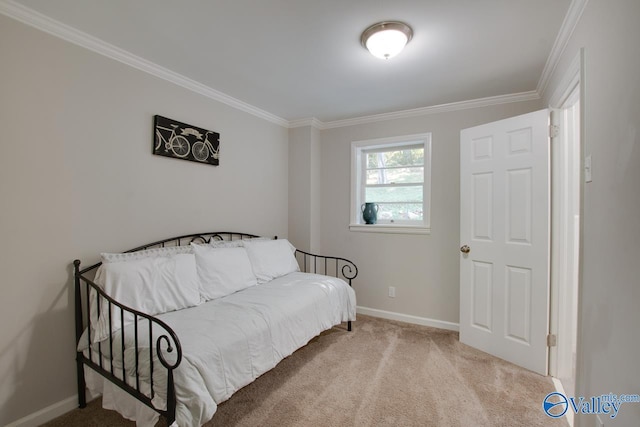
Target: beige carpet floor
{"points": [[383, 373]]}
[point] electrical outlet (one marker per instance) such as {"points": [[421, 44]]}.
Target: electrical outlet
{"points": [[392, 292], [599, 422]]}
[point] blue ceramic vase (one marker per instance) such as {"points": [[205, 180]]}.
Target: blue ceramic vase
{"points": [[370, 213]]}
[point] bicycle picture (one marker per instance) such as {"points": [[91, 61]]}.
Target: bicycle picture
{"points": [[187, 142], [178, 144], [203, 149]]}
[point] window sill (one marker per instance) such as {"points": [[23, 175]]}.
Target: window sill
{"points": [[390, 228]]}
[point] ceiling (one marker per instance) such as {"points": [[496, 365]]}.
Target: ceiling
{"points": [[299, 59]]}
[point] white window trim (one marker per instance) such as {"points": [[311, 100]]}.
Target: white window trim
{"points": [[357, 197]]}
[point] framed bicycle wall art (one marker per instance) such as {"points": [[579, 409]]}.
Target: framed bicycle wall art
{"points": [[187, 142]]}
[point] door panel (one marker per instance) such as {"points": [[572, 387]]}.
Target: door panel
{"points": [[504, 219], [518, 316], [482, 295], [518, 206], [482, 206]]}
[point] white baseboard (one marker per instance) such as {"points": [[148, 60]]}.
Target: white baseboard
{"points": [[47, 414], [441, 324], [560, 389]]}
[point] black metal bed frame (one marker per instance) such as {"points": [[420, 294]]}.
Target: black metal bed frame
{"points": [[167, 340]]}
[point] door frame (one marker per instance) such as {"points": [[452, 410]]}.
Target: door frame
{"points": [[569, 91]]}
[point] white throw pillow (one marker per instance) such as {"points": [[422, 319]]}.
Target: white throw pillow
{"points": [[222, 271], [271, 259], [151, 285]]}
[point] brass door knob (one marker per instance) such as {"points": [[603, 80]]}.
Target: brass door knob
{"points": [[465, 249]]}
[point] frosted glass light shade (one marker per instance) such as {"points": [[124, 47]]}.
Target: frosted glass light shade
{"points": [[386, 44], [386, 39]]}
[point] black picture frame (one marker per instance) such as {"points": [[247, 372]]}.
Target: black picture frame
{"points": [[172, 138]]}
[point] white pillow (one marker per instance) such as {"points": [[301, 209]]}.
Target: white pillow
{"points": [[222, 271], [151, 285], [271, 258], [146, 253]]}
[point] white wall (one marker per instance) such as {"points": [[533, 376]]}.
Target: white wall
{"points": [[77, 177], [304, 188], [609, 338], [423, 268], [300, 187], [315, 172]]}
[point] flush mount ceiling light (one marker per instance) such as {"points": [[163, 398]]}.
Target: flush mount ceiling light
{"points": [[386, 39]]}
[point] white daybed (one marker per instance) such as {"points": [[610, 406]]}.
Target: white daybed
{"points": [[204, 315]]}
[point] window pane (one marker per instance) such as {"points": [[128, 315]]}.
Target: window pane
{"points": [[412, 175], [411, 193], [406, 157], [400, 211]]}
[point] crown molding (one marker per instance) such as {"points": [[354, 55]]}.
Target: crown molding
{"points": [[569, 24], [423, 111], [309, 121], [44, 23]]}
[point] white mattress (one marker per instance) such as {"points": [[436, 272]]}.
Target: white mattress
{"points": [[228, 342]]}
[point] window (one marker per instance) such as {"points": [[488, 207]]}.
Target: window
{"points": [[395, 174]]}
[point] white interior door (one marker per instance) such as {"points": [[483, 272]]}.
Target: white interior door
{"points": [[504, 233]]}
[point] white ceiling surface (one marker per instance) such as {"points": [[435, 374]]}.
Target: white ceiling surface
{"points": [[302, 58]]}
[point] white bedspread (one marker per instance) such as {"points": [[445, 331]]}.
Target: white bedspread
{"points": [[228, 342]]}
